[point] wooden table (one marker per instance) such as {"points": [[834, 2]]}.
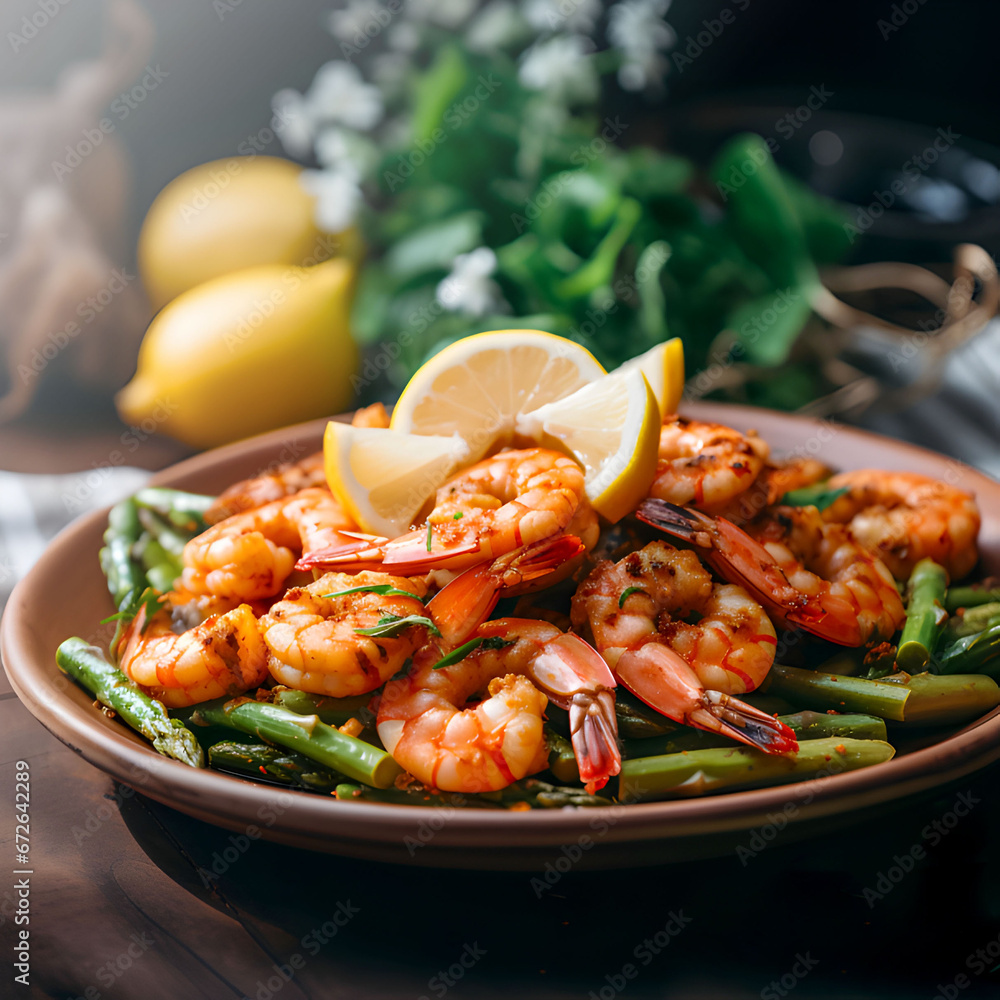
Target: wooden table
{"points": [[130, 899]]}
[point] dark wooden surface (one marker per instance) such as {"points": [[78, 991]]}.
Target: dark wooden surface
{"points": [[208, 914]]}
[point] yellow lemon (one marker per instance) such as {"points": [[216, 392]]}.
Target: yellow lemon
{"points": [[231, 214], [384, 477], [245, 353], [612, 428], [663, 366], [479, 385]]}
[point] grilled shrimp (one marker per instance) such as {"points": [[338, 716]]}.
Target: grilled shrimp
{"points": [[806, 573], [425, 723], [313, 639], [249, 556], [638, 611], [706, 465], [223, 656], [499, 505], [903, 517]]}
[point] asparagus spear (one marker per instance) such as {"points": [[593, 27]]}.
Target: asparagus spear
{"points": [[122, 572], [162, 569], [924, 699], [562, 760], [806, 726], [698, 772], [925, 615], [970, 597], [257, 760], [973, 654], [973, 621], [332, 711], [170, 538], [87, 666], [183, 510], [303, 733]]}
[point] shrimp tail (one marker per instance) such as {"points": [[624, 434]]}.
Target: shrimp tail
{"points": [[661, 678], [465, 603], [365, 552], [736, 719], [740, 559], [416, 552], [575, 677]]}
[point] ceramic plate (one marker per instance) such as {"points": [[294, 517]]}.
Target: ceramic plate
{"points": [[65, 595]]}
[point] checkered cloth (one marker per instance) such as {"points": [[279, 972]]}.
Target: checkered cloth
{"points": [[34, 509]]}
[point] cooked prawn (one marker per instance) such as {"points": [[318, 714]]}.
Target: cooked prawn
{"points": [[271, 485], [805, 572], [223, 656], [499, 505], [638, 611], [249, 556], [424, 723], [707, 465], [903, 517], [775, 480], [311, 633]]}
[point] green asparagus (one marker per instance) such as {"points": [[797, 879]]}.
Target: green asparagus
{"points": [[332, 711], [970, 597], [973, 621], [923, 699], [183, 510], [258, 760], [806, 726], [87, 665], [698, 772], [303, 733], [123, 574], [925, 615]]}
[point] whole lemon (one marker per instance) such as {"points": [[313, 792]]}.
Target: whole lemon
{"points": [[227, 215], [248, 352]]}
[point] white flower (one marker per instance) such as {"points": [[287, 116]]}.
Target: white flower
{"points": [[337, 195], [339, 94], [345, 152], [469, 288], [447, 13], [350, 23], [637, 28], [292, 123], [498, 25], [560, 67], [562, 15]]}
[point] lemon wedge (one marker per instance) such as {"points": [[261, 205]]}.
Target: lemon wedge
{"points": [[478, 386], [383, 477], [612, 428], [663, 366]]}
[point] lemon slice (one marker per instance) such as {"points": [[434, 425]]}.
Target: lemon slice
{"points": [[663, 367], [383, 477], [612, 428], [477, 386]]}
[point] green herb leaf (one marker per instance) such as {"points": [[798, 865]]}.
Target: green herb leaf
{"points": [[459, 654], [385, 589], [813, 496], [627, 593], [429, 528], [457, 517], [390, 626]]}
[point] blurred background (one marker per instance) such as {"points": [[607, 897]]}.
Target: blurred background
{"points": [[848, 102]]}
